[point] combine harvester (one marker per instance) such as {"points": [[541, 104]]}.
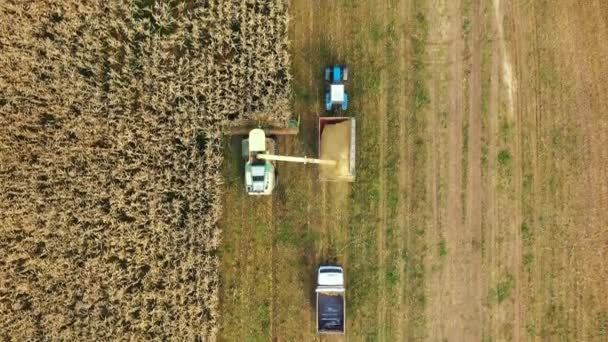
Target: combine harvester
{"points": [[336, 143], [336, 151]]}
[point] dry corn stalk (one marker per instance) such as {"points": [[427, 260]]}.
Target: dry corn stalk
{"points": [[110, 131]]}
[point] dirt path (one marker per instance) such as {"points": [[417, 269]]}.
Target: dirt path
{"points": [[517, 109], [457, 310], [507, 68], [502, 190], [455, 289], [490, 186]]}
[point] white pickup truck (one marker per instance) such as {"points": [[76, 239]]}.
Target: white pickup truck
{"points": [[331, 305]]}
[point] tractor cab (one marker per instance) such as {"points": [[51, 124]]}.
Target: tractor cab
{"points": [[335, 95], [259, 173]]}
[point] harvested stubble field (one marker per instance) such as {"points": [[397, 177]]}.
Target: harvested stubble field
{"points": [[480, 208], [110, 152]]}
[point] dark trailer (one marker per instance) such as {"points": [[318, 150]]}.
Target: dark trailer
{"points": [[330, 315]]}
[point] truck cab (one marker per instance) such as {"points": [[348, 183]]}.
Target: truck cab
{"points": [[335, 95], [331, 305], [259, 173]]}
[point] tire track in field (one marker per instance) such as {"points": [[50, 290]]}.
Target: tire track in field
{"points": [[403, 219], [492, 210], [382, 215], [536, 272], [282, 148], [253, 273], [382, 193], [435, 287], [473, 211], [456, 266], [515, 112]]}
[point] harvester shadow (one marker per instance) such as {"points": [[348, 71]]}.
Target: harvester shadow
{"points": [[237, 160]]}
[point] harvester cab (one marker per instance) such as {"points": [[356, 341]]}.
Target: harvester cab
{"points": [[335, 95], [259, 173]]}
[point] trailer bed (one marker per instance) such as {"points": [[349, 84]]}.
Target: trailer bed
{"points": [[347, 142], [330, 312]]}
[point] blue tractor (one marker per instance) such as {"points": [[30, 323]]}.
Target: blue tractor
{"points": [[335, 95]]}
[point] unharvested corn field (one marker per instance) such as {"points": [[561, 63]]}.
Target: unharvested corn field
{"points": [[110, 134]]}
